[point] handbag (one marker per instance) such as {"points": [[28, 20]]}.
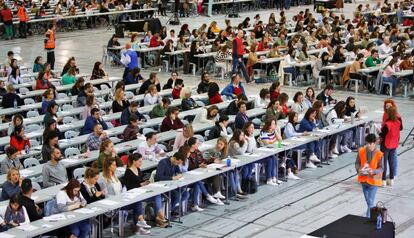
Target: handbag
{"points": [[379, 209]]}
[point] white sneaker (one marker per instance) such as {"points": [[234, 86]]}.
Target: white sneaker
{"points": [[345, 149], [196, 208], [142, 231], [390, 182], [219, 195], [275, 180], [211, 199], [219, 202], [310, 165], [335, 150], [292, 176], [143, 224], [384, 183], [314, 158], [332, 155], [270, 182]]}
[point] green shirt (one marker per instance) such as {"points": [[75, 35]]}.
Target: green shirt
{"points": [[103, 156], [68, 79], [370, 62], [158, 111]]}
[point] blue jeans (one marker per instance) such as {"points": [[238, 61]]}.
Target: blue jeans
{"points": [[136, 210], [291, 70], [242, 67], [389, 159], [233, 181], [369, 194], [157, 202], [175, 197], [287, 4], [345, 137], [80, 229], [395, 162], [247, 171], [271, 165], [313, 148], [393, 81], [199, 188]]}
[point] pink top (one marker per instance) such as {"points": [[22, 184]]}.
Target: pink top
{"points": [[180, 139], [389, 71]]}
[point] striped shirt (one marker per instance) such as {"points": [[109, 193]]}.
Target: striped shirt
{"points": [[264, 135]]}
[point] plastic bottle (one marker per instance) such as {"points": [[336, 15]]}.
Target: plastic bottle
{"points": [[379, 222], [15, 103], [27, 149], [279, 144], [352, 118], [228, 162]]}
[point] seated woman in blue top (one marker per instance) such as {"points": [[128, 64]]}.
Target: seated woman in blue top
{"points": [[12, 185], [233, 89], [48, 97], [308, 124]]}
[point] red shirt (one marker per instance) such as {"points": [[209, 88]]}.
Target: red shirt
{"points": [[237, 90], [216, 99], [238, 47], [285, 109], [176, 93], [6, 15], [19, 145], [274, 95], [154, 42]]}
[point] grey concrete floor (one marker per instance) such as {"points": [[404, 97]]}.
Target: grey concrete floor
{"points": [[290, 210]]}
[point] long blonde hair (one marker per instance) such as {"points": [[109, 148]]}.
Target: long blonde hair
{"points": [[225, 149], [119, 94], [184, 92]]}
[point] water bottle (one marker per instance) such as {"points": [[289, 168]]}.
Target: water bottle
{"points": [[228, 162], [15, 103], [352, 118], [279, 144], [379, 222], [27, 149]]}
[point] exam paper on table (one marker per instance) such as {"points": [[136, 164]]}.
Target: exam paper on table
{"points": [[136, 191], [266, 149], [192, 172], [84, 211], [27, 227], [5, 235], [69, 161], [157, 185], [25, 172], [55, 217], [298, 138], [215, 166], [253, 155], [108, 202]]}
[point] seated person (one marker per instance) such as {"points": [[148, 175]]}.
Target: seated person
{"points": [[161, 108], [187, 103], [131, 131], [16, 214], [235, 88], [128, 112], [11, 160], [53, 172], [92, 120], [171, 120], [12, 185], [33, 211], [220, 129], [19, 140], [107, 151], [150, 149], [94, 140]]}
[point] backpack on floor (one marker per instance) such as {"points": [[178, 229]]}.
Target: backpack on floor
{"points": [[249, 185]]}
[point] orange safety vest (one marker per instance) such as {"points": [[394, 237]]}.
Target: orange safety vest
{"points": [[50, 41], [22, 15], [375, 180]]}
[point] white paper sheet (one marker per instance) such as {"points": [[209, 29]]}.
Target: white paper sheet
{"points": [[55, 217], [157, 185], [215, 166], [5, 235], [298, 138], [107, 202], [194, 172], [235, 161], [266, 149], [69, 161], [25, 172], [27, 227], [253, 155], [84, 211]]}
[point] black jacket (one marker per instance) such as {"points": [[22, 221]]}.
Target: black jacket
{"points": [[31, 209], [90, 198]]}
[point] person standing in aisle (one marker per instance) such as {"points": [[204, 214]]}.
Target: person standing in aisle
{"points": [[369, 167], [238, 52], [50, 45], [23, 19]]}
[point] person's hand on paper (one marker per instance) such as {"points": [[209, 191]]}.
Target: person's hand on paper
{"points": [[177, 177], [305, 133], [203, 165]]}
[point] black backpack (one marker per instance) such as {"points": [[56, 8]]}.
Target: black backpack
{"points": [[249, 185]]}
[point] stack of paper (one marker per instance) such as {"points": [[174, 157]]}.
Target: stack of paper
{"points": [[27, 227], [215, 166], [193, 172], [84, 211], [25, 172]]}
